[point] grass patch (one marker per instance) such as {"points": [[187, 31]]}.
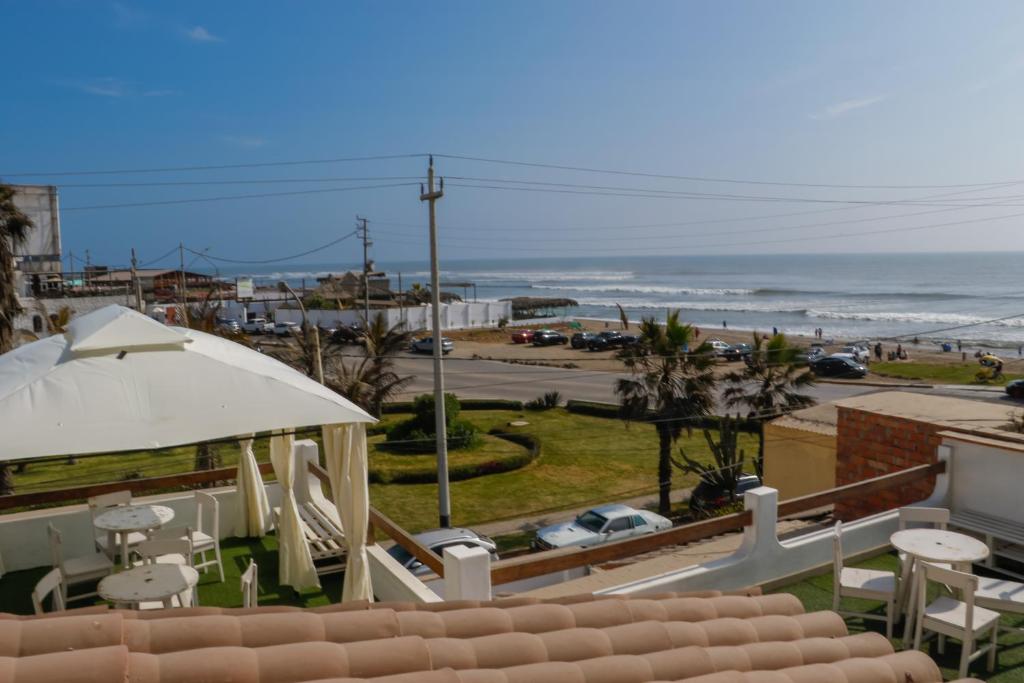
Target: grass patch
{"points": [[490, 454], [964, 373], [517, 540], [583, 460], [816, 594]]}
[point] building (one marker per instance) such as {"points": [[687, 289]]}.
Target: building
{"points": [[39, 258], [800, 451], [156, 282], [350, 285]]}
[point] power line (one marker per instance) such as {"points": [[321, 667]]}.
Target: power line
{"points": [[215, 167], [706, 179], [237, 196], [261, 181], [157, 260], [272, 260]]}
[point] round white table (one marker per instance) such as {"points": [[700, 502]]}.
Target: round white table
{"points": [[932, 545], [124, 519], [148, 583]]}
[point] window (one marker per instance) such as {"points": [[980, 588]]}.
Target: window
{"points": [[639, 521], [620, 524], [37, 324]]}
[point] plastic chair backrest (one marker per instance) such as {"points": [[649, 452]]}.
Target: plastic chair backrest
{"points": [[207, 515], [966, 583], [50, 585], [250, 586], [56, 552], [153, 548], [938, 518]]}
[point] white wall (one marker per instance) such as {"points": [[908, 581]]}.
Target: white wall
{"points": [[453, 316], [987, 475]]}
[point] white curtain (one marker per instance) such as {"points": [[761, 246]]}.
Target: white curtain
{"points": [[252, 510], [345, 453], [295, 564]]}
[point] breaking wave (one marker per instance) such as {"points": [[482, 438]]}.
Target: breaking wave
{"points": [[651, 289]]}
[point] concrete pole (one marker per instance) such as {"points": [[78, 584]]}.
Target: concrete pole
{"points": [[443, 503]]}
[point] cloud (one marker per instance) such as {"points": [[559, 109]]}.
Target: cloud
{"points": [[160, 92], [838, 109], [128, 18], [199, 34], [104, 87], [244, 141]]}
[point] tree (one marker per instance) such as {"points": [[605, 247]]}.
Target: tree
{"points": [[725, 471], [14, 227], [670, 387], [770, 384], [370, 381]]}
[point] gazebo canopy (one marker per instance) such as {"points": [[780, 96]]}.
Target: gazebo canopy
{"points": [[118, 380]]}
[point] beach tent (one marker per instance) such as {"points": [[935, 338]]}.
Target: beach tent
{"points": [[117, 380]]}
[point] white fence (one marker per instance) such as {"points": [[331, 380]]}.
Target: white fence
{"points": [[454, 316]]}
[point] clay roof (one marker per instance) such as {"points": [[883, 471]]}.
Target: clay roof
{"points": [[820, 419], [700, 638]]}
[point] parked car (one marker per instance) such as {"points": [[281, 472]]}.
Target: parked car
{"points": [[838, 366], [737, 352], [549, 338], [348, 334], [708, 497], [286, 329], [600, 525], [426, 345], [522, 336], [258, 326], [1015, 389], [719, 347], [229, 325], [581, 339], [861, 354], [439, 539]]}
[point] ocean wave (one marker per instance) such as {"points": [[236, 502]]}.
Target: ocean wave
{"points": [[735, 306], [288, 275], [907, 317], [535, 276], [651, 289]]}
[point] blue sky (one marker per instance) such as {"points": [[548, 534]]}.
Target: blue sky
{"points": [[871, 93]]}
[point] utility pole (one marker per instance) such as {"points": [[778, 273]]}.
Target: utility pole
{"points": [[366, 267], [88, 263], [440, 423], [401, 299], [136, 285], [181, 288]]}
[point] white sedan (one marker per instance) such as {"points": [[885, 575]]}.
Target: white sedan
{"points": [[600, 525]]}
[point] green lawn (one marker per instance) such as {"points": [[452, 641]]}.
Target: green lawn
{"points": [[942, 374], [583, 460], [816, 594], [16, 587]]}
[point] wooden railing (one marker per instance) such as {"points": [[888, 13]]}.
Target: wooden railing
{"points": [[548, 562], [136, 486]]}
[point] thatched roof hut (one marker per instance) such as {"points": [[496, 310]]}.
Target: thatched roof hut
{"points": [[538, 306]]}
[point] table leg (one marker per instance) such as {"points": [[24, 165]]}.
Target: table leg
{"points": [[111, 545], [908, 594], [125, 560]]}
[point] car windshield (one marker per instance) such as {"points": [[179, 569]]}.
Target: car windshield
{"points": [[591, 521]]}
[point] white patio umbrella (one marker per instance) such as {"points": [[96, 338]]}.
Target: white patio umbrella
{"points": [[118, 381]]}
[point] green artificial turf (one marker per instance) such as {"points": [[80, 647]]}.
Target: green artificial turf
{"points": [[816, 594], [954, 373]]}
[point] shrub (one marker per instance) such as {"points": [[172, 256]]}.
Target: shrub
{"points": [[491, 404], [502, 322], [418, 433], [462, 471], [546, 402]]}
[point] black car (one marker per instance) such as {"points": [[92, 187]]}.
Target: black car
{"points": [[605, 340], [737, 352], [549, 338], [581, 339], [838, 366], [1015, 389], [708, 497]]}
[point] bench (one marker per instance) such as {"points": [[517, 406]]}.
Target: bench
{"points": [[1004, 537], [324, 537]]}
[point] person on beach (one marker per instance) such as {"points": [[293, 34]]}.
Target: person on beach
{"points": [[878, 350], [724, 325], [959, 345], [775, 332], [899, 351]]}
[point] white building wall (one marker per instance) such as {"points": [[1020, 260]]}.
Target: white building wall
{"points": [[454, 316]]}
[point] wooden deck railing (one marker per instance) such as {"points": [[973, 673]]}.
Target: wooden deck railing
{"points": [[136, 486], [548, 562]]}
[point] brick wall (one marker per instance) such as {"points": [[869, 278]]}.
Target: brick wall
{"points": [[869, 445]]}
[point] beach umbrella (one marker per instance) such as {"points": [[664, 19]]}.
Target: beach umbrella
{"points": [[117, 380]]}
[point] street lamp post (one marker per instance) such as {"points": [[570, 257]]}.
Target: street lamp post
{"points": [[317, 359]]}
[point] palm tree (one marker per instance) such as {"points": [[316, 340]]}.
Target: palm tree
{"points": [[724, 472], [371, 381], [14, 227], [669, 387], [770, 385]]}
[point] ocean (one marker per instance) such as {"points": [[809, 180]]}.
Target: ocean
{"points": [[850, 296]]}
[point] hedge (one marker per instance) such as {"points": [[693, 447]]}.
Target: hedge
{"points": [[611, 411], [467, 404], [461, 472]]}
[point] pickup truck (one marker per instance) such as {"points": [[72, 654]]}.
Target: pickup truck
{"points": [[258, 326]]}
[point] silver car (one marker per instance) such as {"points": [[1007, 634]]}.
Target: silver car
{"points": [[439, 539], [600, 525], [426, 345]]}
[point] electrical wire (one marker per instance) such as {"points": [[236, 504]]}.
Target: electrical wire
{"points": [[157, 260], [196, 200], [261, 181], [224, 259]]}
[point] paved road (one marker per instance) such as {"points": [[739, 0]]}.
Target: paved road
{"points": [[493, 379]]}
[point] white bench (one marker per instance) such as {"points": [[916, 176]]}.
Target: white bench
{"points": [[1004, 537], [325, 539]]}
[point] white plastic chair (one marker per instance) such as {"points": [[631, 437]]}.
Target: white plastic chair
{"points": [[206, 536], [869, 584], [250, 586], [169, 551], [100, 504], [51, 585], [958, 619], [76, 570]]}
